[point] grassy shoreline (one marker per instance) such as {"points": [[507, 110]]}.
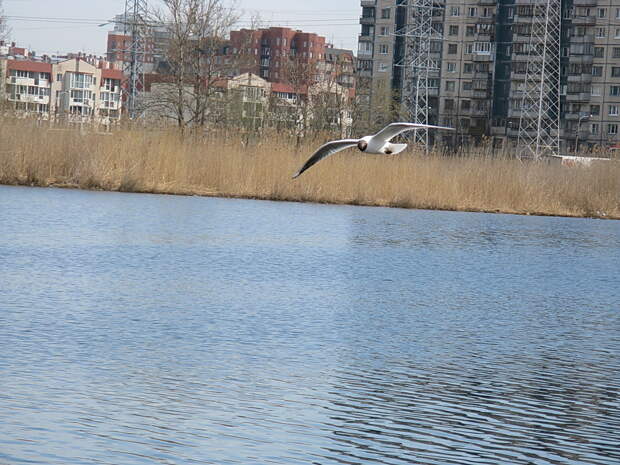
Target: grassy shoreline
{"points": [[223, 165]]}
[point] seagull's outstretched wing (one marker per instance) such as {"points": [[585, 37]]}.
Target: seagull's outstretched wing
{"points": [[395, 129], [325, 151]]}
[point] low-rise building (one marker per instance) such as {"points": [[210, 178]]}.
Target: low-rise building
{"points": [[72, 89]]}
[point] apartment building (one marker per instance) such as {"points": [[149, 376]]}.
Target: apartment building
{"points": [[268, 52], [339, 67], [73, 89], [483, 57]]}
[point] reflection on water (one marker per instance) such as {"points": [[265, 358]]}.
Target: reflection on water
{"points": [[151, 329]]}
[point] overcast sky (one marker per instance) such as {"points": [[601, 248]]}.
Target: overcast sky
{"points": [[40, 27]]}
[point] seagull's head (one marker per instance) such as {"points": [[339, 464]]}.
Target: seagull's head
{"points": [[362, 145]]}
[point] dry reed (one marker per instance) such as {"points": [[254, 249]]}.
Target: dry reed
{"points": [[223, 165]]}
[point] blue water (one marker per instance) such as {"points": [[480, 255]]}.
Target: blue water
{"points": [[139, 329]]}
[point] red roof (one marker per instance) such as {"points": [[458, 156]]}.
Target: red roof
{"points": [[27, 65], [112, 74], [280, 87]]}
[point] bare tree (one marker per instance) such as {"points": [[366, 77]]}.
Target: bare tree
{"points": [[4, 29], [299, 75], [197, 32]]}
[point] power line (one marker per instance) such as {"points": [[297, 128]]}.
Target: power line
{"points": [[91, 21]]}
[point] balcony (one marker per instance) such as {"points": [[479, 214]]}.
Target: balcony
{"points": [[21, 81], [587, 78], [584, 20], [578, 97], [579, 3], [482, 75], [367, 20], [585, 39], [487, 19], [365, 38], [574, 116], [482, 57], [369, 3], [581, 59], [479, 113]]}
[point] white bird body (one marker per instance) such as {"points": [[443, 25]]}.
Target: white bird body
{"points": [[377, 144]]}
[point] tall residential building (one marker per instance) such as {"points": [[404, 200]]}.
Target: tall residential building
{"points": [[482, 61], [268, 52]]}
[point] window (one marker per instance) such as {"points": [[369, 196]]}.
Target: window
{"points": [[617, 13], [454, 11], [384, 49], [602, 12], [595, 110], [468, 68], [617, 36], [59, 77], [365, 48], [601, 32], [612, 129], [385, 13], [472, 12], [469, 48], [594, 128], [614, 91], [452, 49], [467, 85], [385, 31], [613, 110], [448, 104], [595, 91], [383, 67], [80, 80], [598, 52], [450, 86], [465, 105], [470, 30], [615, 71], [451, 67], [453, 30], [597, 71]]}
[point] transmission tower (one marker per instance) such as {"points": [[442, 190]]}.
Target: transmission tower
{"points": [[539, 124], [418, 65], [135, 22]]}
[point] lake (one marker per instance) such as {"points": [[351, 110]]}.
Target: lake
{"points": [[140, 329]]}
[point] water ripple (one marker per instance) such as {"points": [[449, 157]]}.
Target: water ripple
{"points": [[176, 330]]}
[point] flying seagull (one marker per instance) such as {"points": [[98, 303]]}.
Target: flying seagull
{"points": [[379, 144]]}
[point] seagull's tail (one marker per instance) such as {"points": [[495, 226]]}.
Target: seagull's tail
{"points": [[397, 148]]}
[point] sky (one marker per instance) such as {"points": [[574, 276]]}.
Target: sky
{"points": [[60, 26]]}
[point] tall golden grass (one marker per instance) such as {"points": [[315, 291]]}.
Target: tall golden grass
{"points": [[224, 165]]}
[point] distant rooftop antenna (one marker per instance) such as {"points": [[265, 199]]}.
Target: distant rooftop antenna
{"points": [[135, 26]]}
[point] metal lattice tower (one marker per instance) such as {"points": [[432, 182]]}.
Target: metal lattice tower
{"points": [[418, 65], [135, 26], [539, 124]]}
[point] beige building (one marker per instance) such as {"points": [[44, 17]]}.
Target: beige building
{"points": [[73, 90]]}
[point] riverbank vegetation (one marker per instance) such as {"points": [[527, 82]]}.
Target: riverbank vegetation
{"points": [[228, 164]]}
